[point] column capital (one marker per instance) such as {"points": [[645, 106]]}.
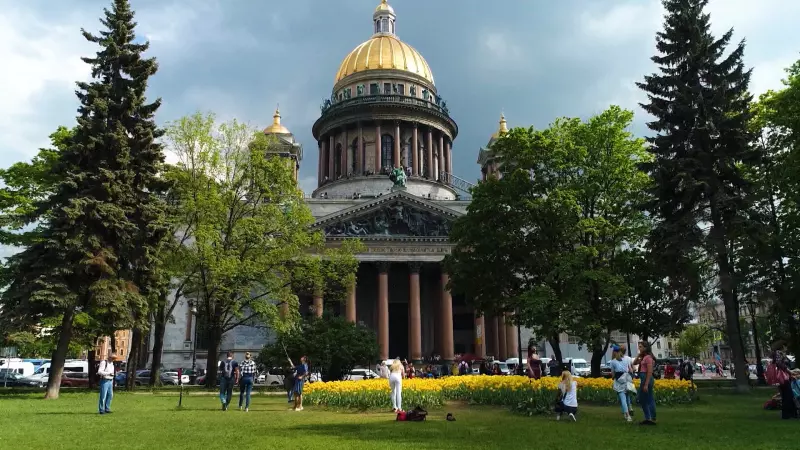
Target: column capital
{"points": [[415, 125], [415, 266], [383, 266]]}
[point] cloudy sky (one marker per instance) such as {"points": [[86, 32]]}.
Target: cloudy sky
{"points": [[533, 59]]}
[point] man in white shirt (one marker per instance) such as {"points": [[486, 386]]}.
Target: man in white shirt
{"points": [[105, 370]]}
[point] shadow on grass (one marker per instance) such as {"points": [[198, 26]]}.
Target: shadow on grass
{"points": [[418, 434]]}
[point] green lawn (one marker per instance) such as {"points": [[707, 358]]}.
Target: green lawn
{"points": [[152, 422]]}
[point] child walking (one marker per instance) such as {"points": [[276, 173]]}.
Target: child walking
{"points": [[569, 397]]}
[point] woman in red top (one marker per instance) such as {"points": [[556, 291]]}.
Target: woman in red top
{"points": [[646, 395]]}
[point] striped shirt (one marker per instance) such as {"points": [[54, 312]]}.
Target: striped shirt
{"points": [[247, 368]]}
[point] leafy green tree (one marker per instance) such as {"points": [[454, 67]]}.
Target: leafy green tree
{"points": [[24, 186], [332, 344], [700, 103], [656, 304], [251, 248], [542, 241], [82, 262], [772, 248], [694, 340]]}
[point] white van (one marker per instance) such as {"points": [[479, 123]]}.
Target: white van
{"points": [[70, 365], [19, 367], [579, 367]]}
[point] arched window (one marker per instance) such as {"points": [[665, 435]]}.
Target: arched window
{"points": [[387, 147], [337, 162], [355, 147]]}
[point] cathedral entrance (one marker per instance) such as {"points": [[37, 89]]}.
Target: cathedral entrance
{"points": [[398, 330]]}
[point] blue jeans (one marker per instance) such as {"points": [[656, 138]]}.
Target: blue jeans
{"points": [[624, 401], [647, 399], [106, 394], [225, 390], [245, 388]]}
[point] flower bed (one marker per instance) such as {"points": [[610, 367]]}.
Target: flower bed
{"points": [[477, 389]]}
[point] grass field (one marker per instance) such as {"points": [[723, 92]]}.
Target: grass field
{"points": [[152, 422]]}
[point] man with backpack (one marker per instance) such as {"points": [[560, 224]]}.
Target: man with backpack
{"points": [[229, 376]]}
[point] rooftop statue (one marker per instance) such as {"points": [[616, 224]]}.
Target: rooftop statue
{"points": [[398, 176]]}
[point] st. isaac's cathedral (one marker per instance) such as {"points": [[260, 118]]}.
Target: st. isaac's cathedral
{"points": [[385, 121]]}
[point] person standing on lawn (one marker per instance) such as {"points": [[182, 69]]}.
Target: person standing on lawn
{"points": [[105, 370], [623, 349], [300, 374], [621, 371], [229, 375], [248, 370], [288, 382], [647, 383], [396, 385]]}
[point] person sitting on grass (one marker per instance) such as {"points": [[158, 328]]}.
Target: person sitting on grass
{"points": [[569, 397]]}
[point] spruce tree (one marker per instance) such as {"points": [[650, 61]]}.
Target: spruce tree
{"points": [[699, 98], [103, 230]]}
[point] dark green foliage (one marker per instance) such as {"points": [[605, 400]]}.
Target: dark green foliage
{"points": [[94, 248], [332, 344], [700, 102]]}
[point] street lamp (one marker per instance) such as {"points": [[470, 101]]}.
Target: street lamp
{"points": [[193, 311]]}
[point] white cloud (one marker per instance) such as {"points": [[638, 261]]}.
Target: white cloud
{"points": [[39, 59], [179, 25], [500, 51], [623, 31], [622, 22]]}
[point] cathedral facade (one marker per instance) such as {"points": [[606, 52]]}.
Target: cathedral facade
{"points": [[385, 176]]}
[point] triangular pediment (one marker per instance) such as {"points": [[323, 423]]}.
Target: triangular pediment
{"points": [[398, 214]]}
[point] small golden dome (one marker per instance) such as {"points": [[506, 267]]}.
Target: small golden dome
{"points": [[384, 6], [502, 129], [384, 52], [276, 127]]}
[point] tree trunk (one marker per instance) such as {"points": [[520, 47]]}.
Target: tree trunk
{"points": [[555, 343], [159, 329], [598, 353], [60, 355], [92, 363], [133, 358], [212, 358], [729, 300], [759, 368]]}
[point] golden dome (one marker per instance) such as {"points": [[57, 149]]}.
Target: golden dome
{"points": [[384, 6], [502, 129], [276, 127], [384, 52]]}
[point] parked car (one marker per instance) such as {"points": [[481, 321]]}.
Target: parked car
{"points": [[271, 377], [361, 374], [75, 379], [171, 378], [606, 372], [11, 379]]}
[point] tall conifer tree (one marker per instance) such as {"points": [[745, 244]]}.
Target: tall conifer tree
{"points": [[104, 222], [699, 98]]}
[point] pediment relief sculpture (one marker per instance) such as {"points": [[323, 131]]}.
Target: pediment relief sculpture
{"points": [[396, 219]]}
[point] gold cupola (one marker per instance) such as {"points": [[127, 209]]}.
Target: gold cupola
{"points": [[502, 129], [384, 51], [276, 127]]}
